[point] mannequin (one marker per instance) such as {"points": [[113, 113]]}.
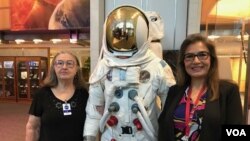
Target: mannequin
{"points": [[126, 81]]}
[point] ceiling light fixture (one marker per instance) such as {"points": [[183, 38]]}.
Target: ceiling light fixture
{"points": [[37, 41], [73, 41], [19, 41], [213, 37], [55, 41]]}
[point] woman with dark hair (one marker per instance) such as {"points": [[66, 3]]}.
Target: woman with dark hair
{"points": [[57, 112], [199, 104]]}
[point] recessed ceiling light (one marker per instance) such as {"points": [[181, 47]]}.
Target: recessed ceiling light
{"points": [[37, 41], [19, 41], [73, 41], [245, 37], [56, 40]]}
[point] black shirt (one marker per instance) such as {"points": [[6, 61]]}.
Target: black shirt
{"points": [[55, 126]]}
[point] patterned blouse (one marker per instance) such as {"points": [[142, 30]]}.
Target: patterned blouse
{"points": [[195, 118]]}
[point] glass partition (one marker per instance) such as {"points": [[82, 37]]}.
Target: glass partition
{"points": [[227, 23]]}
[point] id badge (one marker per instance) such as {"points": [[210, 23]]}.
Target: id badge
{"points": [[66, 109]]}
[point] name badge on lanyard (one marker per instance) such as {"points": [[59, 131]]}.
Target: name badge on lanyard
{"points": [[66, 109]]}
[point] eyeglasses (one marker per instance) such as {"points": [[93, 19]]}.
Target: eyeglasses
{"points": [[60, 63], [203, 55]]}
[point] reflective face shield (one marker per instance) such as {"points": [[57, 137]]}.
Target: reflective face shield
{"points": [[121, 29]]}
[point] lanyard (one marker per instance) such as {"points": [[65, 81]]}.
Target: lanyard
{"points": [[188, 113]]}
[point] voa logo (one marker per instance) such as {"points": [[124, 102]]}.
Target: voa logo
{"points": [[236, 132]]}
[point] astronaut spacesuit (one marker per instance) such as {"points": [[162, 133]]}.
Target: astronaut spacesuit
{"points": [[157, 34], [125, 83]]}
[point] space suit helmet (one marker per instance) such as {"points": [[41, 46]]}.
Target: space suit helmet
{"points": [[127, 30]]}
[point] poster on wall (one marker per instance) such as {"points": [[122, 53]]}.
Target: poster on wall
{"points": [[49, 14]]}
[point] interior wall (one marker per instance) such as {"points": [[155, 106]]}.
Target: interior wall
{"points": [[24, 51], [194, 16], [4, 14], [96, 24]]}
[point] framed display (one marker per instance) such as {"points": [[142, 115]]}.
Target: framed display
{"points": [[7, 78], [49, 14]]}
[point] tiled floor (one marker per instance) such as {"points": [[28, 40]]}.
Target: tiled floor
{"points": [[13, 118]]}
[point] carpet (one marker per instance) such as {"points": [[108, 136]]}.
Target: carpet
{"points": [[13, 119]]}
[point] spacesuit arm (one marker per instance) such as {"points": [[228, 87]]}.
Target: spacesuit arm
{"points": [[94, 110], [166, 79]]}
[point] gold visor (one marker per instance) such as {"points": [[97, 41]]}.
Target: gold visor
{"points": [[121, 28]]}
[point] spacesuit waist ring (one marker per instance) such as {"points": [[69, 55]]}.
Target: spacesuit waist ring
{"points": [[127, 130]]}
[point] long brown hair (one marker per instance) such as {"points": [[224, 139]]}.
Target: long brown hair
{"points": [[183, 79], [52, 81]]}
